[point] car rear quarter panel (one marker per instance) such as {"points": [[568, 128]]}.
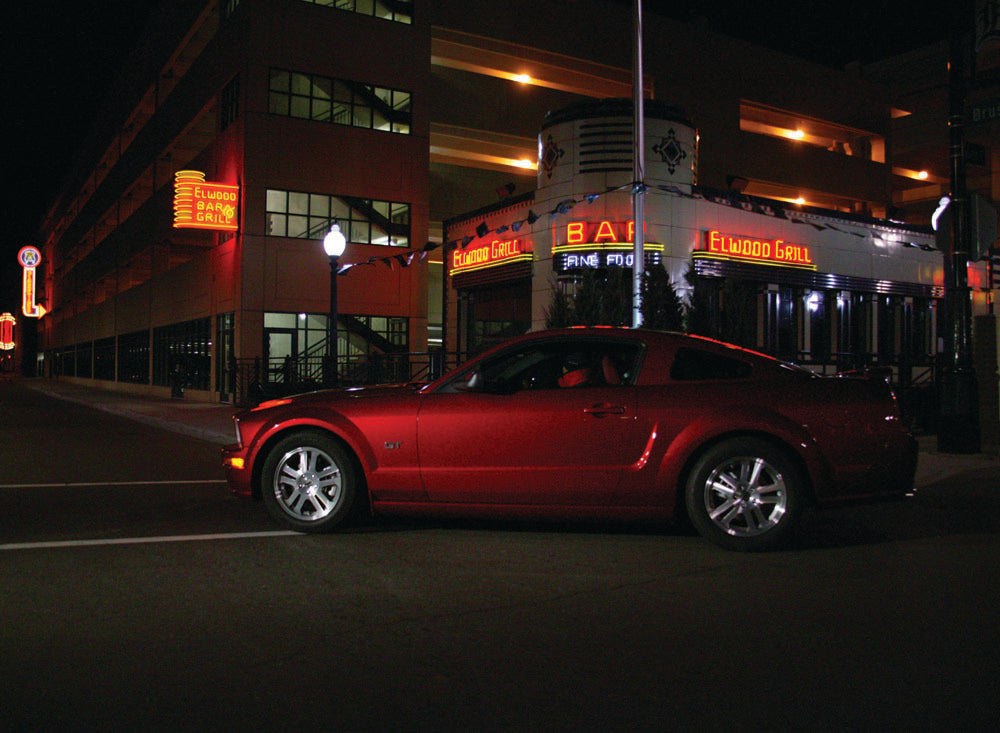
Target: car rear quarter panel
{"points": [[687, 419], [857, 425]]}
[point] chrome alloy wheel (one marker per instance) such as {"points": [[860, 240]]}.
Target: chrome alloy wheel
{"points": [[308, 484], [745, 496]]}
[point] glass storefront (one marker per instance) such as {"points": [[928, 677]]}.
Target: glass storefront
{"points": [[494, 313], [825, 330]]}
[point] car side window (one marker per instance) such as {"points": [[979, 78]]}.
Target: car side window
{"points": [[698, 365], [561, 364]]}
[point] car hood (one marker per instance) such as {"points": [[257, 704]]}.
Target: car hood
{"points": [[331, 398]]}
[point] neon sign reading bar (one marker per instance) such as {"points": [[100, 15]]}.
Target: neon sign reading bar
{"points": [[761, 251], [602, 243], [202, 205]]}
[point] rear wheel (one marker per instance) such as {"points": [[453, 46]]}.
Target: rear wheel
{"points": [[309, 482], [744, 494]]}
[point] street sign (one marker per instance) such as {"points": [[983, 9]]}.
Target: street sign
{"points": [[983, 112]]}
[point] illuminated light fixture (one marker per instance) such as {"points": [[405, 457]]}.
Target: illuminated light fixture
{"points": [[800, 201], [30, 258], [334, 243], [939, 212], [443, 153], [796, 134], [921, 175], [522, 78]]}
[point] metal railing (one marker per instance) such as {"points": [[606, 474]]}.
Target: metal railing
{"points": [[257, 379]]}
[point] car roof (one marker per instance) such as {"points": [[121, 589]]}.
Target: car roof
{"points": [[662, 345]]}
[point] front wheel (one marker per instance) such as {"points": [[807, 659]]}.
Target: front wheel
{"points": [[309, 482], [744, 494]]}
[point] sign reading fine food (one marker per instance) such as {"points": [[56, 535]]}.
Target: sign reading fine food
{"points": [[202, 205]]}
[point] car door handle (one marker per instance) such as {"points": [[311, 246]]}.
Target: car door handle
{"points": [[604, 409]]}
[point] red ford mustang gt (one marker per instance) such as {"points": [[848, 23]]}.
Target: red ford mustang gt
{"points": [[583, 423]]}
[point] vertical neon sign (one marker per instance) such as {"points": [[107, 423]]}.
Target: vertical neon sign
{"points": [[6, 331], [30, 257]]}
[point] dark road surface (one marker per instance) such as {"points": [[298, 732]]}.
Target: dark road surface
{"points": [[137, 594]]}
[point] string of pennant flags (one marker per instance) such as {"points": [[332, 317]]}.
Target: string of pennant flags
{"points": [[724, 198]]}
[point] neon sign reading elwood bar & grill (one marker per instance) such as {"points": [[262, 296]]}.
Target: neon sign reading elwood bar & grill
{"points": [[199, 204]]}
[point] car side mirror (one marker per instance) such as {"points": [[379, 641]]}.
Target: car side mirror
{"points": [[475, 383]]}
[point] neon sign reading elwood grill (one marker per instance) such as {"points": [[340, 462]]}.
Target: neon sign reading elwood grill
{"points": [[756, 250]]}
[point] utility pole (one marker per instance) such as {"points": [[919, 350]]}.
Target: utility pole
{"points": [[958, 423], [639, 164]]}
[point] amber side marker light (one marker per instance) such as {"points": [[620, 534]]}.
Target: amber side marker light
{"points": [[270, 403], [236, 463]]}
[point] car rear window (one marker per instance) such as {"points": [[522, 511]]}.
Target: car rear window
{"points": [[694, 364]]}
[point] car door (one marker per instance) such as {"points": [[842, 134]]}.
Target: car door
{"points": [[520, 431]]}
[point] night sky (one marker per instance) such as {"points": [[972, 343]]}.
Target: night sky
{"points": [[60, 59]]}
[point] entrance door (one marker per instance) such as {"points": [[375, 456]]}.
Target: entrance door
{"points": [[281, 350]]}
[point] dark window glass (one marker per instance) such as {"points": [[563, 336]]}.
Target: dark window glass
{"points": [[341, 102], [399, 11], [104, 359], [133, 357], [697, 365], [182, 354], [561, 364], [363, 221]]}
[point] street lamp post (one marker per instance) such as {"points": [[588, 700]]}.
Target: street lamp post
{"points": [[333, 244]]}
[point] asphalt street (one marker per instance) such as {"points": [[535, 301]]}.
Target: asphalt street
{"points": [[137, 594]]}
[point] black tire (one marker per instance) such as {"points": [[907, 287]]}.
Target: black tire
{"points": [[309, 482], [744, 494]]}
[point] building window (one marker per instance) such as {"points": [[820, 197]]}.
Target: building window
{"points": [[229, 103], [308, 334], [64, 362], [182, 354], [84, 354], [133, 357], [225, 350], [104, 359], [314, 97], [363, 221], [400, 11]]}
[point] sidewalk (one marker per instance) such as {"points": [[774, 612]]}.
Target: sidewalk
{"points": [[209, 421], [214, 423]]}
